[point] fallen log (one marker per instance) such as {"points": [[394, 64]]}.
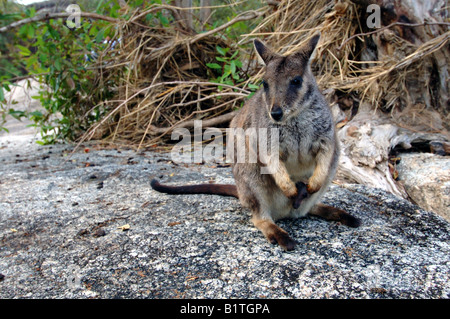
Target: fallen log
{"points": [[372, 142]]}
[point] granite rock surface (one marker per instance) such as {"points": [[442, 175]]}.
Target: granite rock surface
{"points": [[88, 225]]}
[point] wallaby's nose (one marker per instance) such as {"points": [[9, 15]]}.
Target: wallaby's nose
{"points": [[277, 113]]}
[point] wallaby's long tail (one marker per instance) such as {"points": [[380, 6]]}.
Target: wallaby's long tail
{"points": [[214, 189]]}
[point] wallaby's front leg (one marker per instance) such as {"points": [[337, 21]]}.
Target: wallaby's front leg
{"points": [[325, 160], [282, 179], [295, 191]]}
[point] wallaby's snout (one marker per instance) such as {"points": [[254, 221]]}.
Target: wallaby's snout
{"points": [[276, 113]]}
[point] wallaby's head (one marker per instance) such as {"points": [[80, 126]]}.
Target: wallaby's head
{"points": [[288, 83]]}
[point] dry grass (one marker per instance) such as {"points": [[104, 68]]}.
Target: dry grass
{"points": [[384, 80], [163, 80]]}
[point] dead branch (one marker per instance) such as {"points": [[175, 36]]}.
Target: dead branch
{"points": [[189, 124], [49, 16], [248, 15], [411, 25]]}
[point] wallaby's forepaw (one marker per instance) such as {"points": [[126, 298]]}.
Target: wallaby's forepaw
{"points": [[311, 188], [302, 193]]}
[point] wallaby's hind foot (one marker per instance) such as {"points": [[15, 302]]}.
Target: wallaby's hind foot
{"points": [[275, 234], [335, 214]]}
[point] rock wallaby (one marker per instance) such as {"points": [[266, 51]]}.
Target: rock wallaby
{"points": [[308, 150]]}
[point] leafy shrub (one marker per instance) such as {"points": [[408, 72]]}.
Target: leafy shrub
{"points": [[66, 61]]}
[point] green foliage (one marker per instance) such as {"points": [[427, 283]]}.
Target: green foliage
{"points": [[229, 67], [229, 70], [57, 58], [8, 67], [226, 13], [65, 60]]}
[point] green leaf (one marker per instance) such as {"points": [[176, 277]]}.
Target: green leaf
{"points": [[250, 95], [98, 6], [58, 66], [2, 96], [23, 31], [222, 51], [93, 30], [32, 64], [17, 114], [164, 21], [30, 32], [36, 115], [233, 67], [114, 11], [223, 78], [53, 33], [23, 50], [43, 57], [100, 36], [213, 66], [32, 12], [253, 86]]}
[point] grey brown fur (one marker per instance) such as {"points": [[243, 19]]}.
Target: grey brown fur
{"points": [[291, 102]]}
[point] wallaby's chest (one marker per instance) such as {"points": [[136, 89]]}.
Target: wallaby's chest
{"points": [[299, 164]]}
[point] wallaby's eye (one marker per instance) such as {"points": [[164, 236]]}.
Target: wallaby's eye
{"points": [[265, 85], [297, 81]]}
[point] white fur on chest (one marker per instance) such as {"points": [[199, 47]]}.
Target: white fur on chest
{"points": [[300, 167]]}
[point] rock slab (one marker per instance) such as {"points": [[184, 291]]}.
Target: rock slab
{"points": [[426, 178]]}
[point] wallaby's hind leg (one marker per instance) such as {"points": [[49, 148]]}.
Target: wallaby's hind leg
{"points": [[273, 233], [335, 214]]}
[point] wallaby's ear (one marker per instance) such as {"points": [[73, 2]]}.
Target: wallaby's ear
{"points": [[312, 44], [263, 51], [307, 52]]}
